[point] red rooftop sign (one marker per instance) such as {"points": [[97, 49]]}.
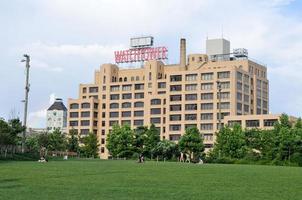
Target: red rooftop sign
{"points": [[141, 54]]}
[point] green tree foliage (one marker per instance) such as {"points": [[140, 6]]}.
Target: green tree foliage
{"points": [[91, 145], [57, 141], [151, 140], [192, 143], [73, 141], [166, 149], [120, 141], [9, 131], [230, 143], [140, 135]]}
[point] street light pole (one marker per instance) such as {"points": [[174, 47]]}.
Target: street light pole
{"points": [[219, 103], [27, 59]]}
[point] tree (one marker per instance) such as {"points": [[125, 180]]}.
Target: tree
{"points": [[140, 135], [120, 141], [57, 141], [151, 140], [230, 143], [91, 145], [73, 141], [166, 149], [192, 143]]}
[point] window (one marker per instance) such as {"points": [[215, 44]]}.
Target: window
{"points": [[139, 95], [206, 116], [239, 76], [175, 88], [224, 95], [85, 114], [239, 96], [191, 106], [175, 107], [239, 86], [114, 97], [74, 106], [190, 116], [246, 78], [113, 114], [225, 85], [85, 123], [252, 123], [174, 137], [155, 101], [114, 88], [224, 105], [155, 111], [175, 97], [191, 77], [264, 104], [208, 137], [206, 106], [74, 114], [206, 86], [126, 87], [73, 123], [93, 89], [207, 96], [114, 105], [223, 114], [95, 114], [138, 122], [191, 87], [84, 90], [246, 98], [246, 108], [206, 126], [174, 78], [246, 89], [113, 122], [190, 126], [139, 113], [232, 123], [127, 96], [190, 97], [139, 86], [85, 105], [155, 120], [175, 117], [175, 127], [126, 114], [222, 75], [207, 76], [126, 105], [161, 85], [139, 104], [84, 131], [269, 122]]}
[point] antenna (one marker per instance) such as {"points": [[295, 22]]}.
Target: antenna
{"points": [[222, 31]]}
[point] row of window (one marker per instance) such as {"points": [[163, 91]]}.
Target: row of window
{"points": [[204, 76], [83, 105], [254, 123]]}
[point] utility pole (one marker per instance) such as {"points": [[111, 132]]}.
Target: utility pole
{"points": [[27, 59], [219, 100]]}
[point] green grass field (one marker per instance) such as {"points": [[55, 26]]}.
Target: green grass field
{"points": [[95, 179]]}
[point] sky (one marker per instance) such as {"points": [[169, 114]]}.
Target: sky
{"points": [[69, 39]]}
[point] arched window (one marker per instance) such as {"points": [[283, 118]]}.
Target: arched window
{"points": [[85, 105], [155, 101], [74, 106], [126, 105], [125, 79], [120, 79], [114, 105], [139, 104]]}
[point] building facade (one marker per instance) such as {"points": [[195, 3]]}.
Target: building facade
{"points": [[57, 116], [173, 97]]}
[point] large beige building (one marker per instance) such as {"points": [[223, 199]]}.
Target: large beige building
{"points": [[173, 97]]}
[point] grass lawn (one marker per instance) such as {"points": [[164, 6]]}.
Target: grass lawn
{"points": [[95, 179]]}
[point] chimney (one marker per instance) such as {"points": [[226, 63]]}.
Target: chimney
{"points": [[183, 52]]}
